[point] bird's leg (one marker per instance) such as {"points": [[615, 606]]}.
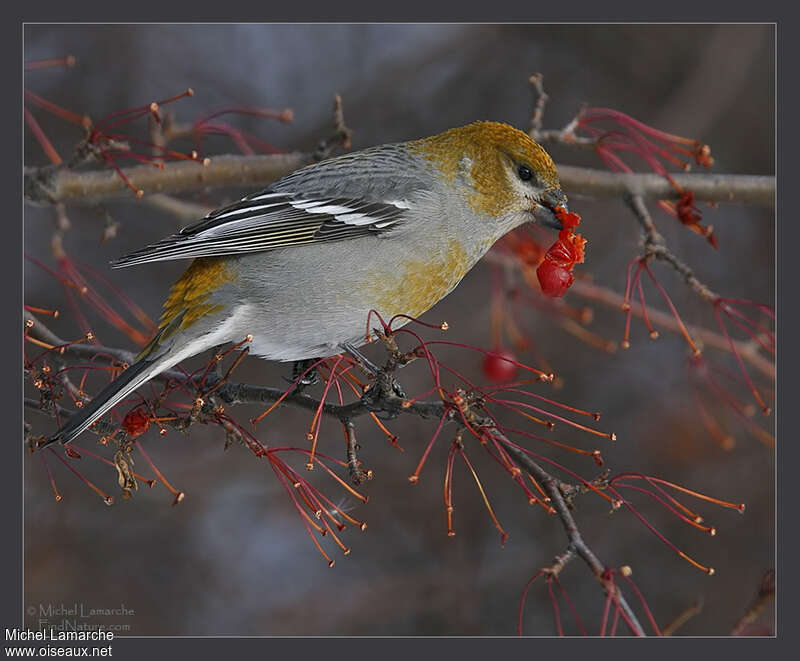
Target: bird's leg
{"points": [[371, 368], [310, 378], [365, 363]]}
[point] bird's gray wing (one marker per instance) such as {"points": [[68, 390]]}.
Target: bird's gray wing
{"points": [[348, 196], [270, 219]]}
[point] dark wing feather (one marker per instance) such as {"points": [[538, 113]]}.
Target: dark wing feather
{"points": [[268, 220]]}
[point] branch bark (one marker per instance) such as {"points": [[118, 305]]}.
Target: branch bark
{"points": [[51, 184], [741, 189]]}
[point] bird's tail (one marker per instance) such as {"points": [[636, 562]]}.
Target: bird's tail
{"points": [[153, 360], [106, 399], [169, 347]]}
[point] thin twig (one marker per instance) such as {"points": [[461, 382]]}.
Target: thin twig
{"points": [[599, 294], [59, 183], [766, 593], [551, 486], [656, 247], [378, 399], [694, 609], [353, 464], [541, 101], [709, 338]]}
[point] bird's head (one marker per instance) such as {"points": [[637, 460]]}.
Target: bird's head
{"points": [[504, 173]]}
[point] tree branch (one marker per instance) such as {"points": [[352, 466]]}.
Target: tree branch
{"points": [[742, 189], [48, 185], [551, 486], [656, 247], [59, 183], [380, 398], [747, 351], [598, 293]]}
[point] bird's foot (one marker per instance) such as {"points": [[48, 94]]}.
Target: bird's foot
{"points": [[302, 375], [373, 370], [398, 389]]}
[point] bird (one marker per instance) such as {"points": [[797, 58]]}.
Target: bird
{"points": [[297, 267]]}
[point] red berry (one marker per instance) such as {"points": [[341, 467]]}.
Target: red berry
{"points": [[136, 423], [498, 368], [562, 252], [568, 219], [554, 279]]}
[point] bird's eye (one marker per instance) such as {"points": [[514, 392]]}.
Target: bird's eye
{"points": [[525, 173]]}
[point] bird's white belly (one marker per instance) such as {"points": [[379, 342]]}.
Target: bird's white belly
{"points": [[291, 336]]}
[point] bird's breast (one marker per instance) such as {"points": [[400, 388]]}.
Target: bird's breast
{"points": [[415, 283]]}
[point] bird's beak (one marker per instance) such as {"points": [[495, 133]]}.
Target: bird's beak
{"points": [[543, 211]]}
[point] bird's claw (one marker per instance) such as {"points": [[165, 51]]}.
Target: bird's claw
{"points": [[398, 390], [301, 380]]}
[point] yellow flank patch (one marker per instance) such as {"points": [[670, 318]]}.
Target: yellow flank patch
{"points": [[489, 146], [190, 294], [417, 285]]}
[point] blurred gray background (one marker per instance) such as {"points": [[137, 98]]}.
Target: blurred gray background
{"points": [[234, 558]]}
